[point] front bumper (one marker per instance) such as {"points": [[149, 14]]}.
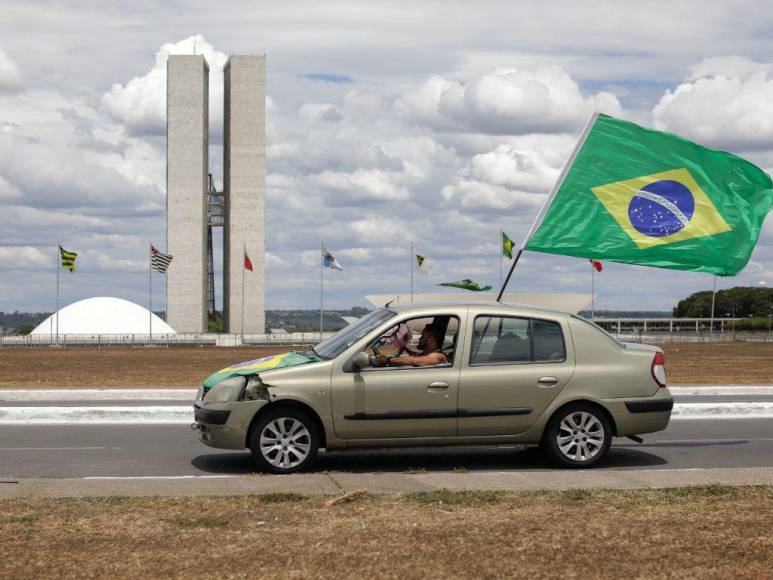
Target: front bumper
{"points": [[210, 416], [225, 425]]}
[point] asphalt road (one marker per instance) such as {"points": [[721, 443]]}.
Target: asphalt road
{"points": [[174, 450]]}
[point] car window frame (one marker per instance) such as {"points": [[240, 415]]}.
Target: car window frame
{"points": [[470, 363], [374, 336]]}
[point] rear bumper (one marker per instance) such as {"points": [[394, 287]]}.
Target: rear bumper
{"points": [[651, 406], [634, 416]]}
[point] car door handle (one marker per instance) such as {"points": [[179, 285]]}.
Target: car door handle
{"points": [[548, 381], [437, 386]]}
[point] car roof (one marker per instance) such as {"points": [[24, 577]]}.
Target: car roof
{"points": [[492, 306]]}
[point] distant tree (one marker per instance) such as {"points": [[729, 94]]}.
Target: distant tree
{"points": [[740, 301], [26, 329]]}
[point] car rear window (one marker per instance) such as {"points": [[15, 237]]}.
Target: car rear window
{"points": [[508, 339]]}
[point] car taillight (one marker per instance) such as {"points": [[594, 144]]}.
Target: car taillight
{"points": [[659, 369]]}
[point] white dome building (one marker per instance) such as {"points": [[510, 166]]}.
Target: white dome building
{"points": [[103, 315]]}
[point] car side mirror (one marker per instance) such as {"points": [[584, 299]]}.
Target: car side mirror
{"points": [[360, 360]]}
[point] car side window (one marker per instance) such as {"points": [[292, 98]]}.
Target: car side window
{"points": [[508, 339], [548, 341], [405, 338]]}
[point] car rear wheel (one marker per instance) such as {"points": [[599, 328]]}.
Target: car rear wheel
{"points": [[285, 440], [579, 435]]}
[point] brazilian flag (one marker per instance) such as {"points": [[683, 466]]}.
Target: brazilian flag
{"points": [[466, 284], [507, 246], [68, 259], [641, 196]]}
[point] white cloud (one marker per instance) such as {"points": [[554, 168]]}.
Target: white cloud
{"points": [[140, 104], [25, 258], [476, 196], [369, 184], [508, 166], [728, 103], [320, 112], [10, 78], [544, 99]]}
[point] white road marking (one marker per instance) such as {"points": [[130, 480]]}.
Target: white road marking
{"points": [[738, 390], [96, 415], [174, 394], [57, 448]]}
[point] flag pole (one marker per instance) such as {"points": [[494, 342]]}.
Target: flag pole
{"points": [[58, 260], [244, 268], [549, 200], [592, 290], [501, 253], [713, 300], [321, 290], [150, 293], [410, 257]]}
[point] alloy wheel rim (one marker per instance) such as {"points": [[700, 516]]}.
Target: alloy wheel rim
{"points": [[580, 436], [285, 442]]}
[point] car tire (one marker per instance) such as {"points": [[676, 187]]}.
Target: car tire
{"points": [[285, 440], [577, 436]]}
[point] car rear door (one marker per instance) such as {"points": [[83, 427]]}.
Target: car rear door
{"points": [[514, 368]]}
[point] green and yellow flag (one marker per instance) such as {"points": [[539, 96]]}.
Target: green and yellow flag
{"points": [[507, 246], [68, 259], [640, 196], [466, 284]]}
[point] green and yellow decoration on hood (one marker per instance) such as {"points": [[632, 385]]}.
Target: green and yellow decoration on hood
{"points": [[251, 367]]}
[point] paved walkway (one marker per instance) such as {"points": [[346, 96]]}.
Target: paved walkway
{"points": [[336, 483]]}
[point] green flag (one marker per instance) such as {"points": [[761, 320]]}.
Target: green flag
{"points": [[640, 196], [466, 284], [507, 246]]}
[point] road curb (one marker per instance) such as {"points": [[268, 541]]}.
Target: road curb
{"points": [[382, 483], [174, 414]]}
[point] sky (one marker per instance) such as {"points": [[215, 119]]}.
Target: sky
{"points": [[438, 123]]}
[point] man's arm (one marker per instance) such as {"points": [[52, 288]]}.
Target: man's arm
{"points": [[435, 358]]}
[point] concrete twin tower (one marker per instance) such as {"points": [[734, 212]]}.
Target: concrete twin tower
{"points": [[193, 207]]}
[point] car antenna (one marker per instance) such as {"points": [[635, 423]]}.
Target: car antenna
{"points": [[388, 304]]}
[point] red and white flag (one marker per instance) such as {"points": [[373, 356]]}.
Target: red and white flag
{"points": [[247, 262], [596, 264]]}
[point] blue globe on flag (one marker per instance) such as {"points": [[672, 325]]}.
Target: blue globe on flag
{"points": [[661, 208]]}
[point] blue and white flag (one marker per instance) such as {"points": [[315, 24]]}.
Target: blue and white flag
{"points": [[329, 261]]}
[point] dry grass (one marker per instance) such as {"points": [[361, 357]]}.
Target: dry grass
{"points": [[118, 367], [743, 363], [709, 532], [720, 363]]}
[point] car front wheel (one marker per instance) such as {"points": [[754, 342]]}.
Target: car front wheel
{"points": [[285, 440], [578, 436]]}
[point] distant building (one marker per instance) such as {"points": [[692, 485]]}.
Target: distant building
{"points": [[103, 315], [193, 207]]}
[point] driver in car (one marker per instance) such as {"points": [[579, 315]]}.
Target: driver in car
{"points": [[429, 352]]}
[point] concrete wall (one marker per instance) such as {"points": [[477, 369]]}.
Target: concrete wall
{"points": [[244, 168], [187, 102]]}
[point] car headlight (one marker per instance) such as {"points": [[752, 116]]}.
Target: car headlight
{"points": [[226, 391]]}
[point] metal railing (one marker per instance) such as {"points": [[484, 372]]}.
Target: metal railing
{"points": [[163, 340]]}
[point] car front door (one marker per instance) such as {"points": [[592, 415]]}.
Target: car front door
{"points": [[516, 366], [395, 402]]}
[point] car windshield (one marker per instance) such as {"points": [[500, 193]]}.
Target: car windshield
{"points": [[345, 337]]}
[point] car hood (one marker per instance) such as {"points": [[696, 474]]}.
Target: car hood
{"points": [[260, 365]]}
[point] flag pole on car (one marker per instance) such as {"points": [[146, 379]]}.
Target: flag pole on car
{"points": [[635, 195], [548, 201]]}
